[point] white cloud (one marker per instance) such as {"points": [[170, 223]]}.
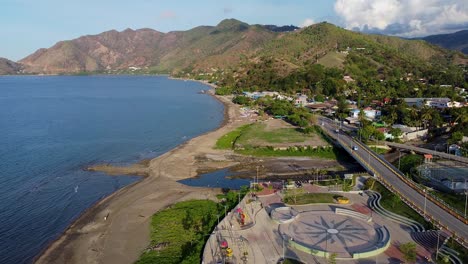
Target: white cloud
{"points": [[404, 17], [307, 22]]}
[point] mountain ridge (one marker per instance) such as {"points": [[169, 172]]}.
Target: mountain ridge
{"points": [[8, 67], [455, 41], [229, 44]]}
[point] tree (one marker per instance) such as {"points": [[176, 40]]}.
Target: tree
{"points": [[369, 184], [456, 137], [395, 200], [332, 258], [409, 251], [292, 194], [396, 133], [242, 100]]}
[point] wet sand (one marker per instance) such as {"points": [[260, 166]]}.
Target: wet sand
{"points": [[117, 229]]}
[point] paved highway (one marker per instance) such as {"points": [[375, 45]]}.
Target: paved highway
{"points": [[428, 151], [388, 174]]}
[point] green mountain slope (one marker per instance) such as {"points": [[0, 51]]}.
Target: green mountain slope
{"points": [[455, 41], [236, 46], [201, 47]]}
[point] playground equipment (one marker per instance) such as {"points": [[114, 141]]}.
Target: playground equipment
{"points": [[240, 216], [225, 249]]}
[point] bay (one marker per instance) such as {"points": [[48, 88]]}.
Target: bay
{"points": [[52, 127]]}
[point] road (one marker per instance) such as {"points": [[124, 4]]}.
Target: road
{"points": [[428, 151], [389, 175]]}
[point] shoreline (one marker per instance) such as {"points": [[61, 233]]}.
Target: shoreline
{"points": [[98, 234]]}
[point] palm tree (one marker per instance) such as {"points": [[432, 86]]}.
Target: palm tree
{"points": [[426, 115]]}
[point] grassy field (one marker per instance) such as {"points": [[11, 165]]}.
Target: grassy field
{"points": [[393, 204], [178, 233], [256, 140], [333, 59], [256, 133], [310, 198], [228, 141]]}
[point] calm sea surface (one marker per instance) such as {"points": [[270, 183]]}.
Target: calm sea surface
{"points": [[53, 127]]}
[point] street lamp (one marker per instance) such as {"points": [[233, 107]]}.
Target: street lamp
{"points": [[399, 156], [284, 249], [425, 198], [466, 197]]}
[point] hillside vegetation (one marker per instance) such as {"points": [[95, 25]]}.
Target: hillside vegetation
{"points": [[238, 49]]}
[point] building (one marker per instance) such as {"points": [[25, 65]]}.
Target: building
{"points": [[440, 103], [368, 112], [301, 100]]}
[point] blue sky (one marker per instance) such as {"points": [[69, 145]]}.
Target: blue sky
{"points": [[26, 25]]}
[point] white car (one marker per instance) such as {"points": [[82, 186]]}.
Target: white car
{"points": [[355, 148]]}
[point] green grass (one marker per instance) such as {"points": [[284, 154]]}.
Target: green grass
{"points": [[333, 59], [310, 198], [460, 249], [228, 140], [379, 150], [390, 203], [456, 201], [178, 233], [256, 132]]}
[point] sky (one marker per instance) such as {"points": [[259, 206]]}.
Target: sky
{"points": [[27, 25]]}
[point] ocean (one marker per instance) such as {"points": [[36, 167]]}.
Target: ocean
{"points": [[52, 127]]}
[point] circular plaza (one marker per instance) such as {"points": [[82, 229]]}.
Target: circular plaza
{"points": [[346, 233]]}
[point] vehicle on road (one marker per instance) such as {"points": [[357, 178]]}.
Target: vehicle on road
{"points": [[355, 148]]}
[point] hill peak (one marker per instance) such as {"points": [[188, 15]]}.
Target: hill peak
{"points": [[232, 23]]}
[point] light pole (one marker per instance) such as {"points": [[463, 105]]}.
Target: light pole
{"points": [[425, 198], [399, 156], [284, 249], [377, 255], [466, 197], [437, 251]]}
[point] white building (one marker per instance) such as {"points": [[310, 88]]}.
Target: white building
{"points": [[432, 102], [369, 113]]}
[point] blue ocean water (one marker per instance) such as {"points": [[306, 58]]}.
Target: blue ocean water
{"points": [[53, 127]]}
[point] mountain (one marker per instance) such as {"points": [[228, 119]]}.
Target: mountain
{"points": [[234, 45], [275, 28], [200, 47], [9, 67], [454, 41]]}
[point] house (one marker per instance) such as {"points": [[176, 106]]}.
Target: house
{"points": [[368, 112], [301, 100], [440, 103], [348, 79]]}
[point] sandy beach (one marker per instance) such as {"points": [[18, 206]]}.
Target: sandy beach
{"points": [[117, 229]]}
